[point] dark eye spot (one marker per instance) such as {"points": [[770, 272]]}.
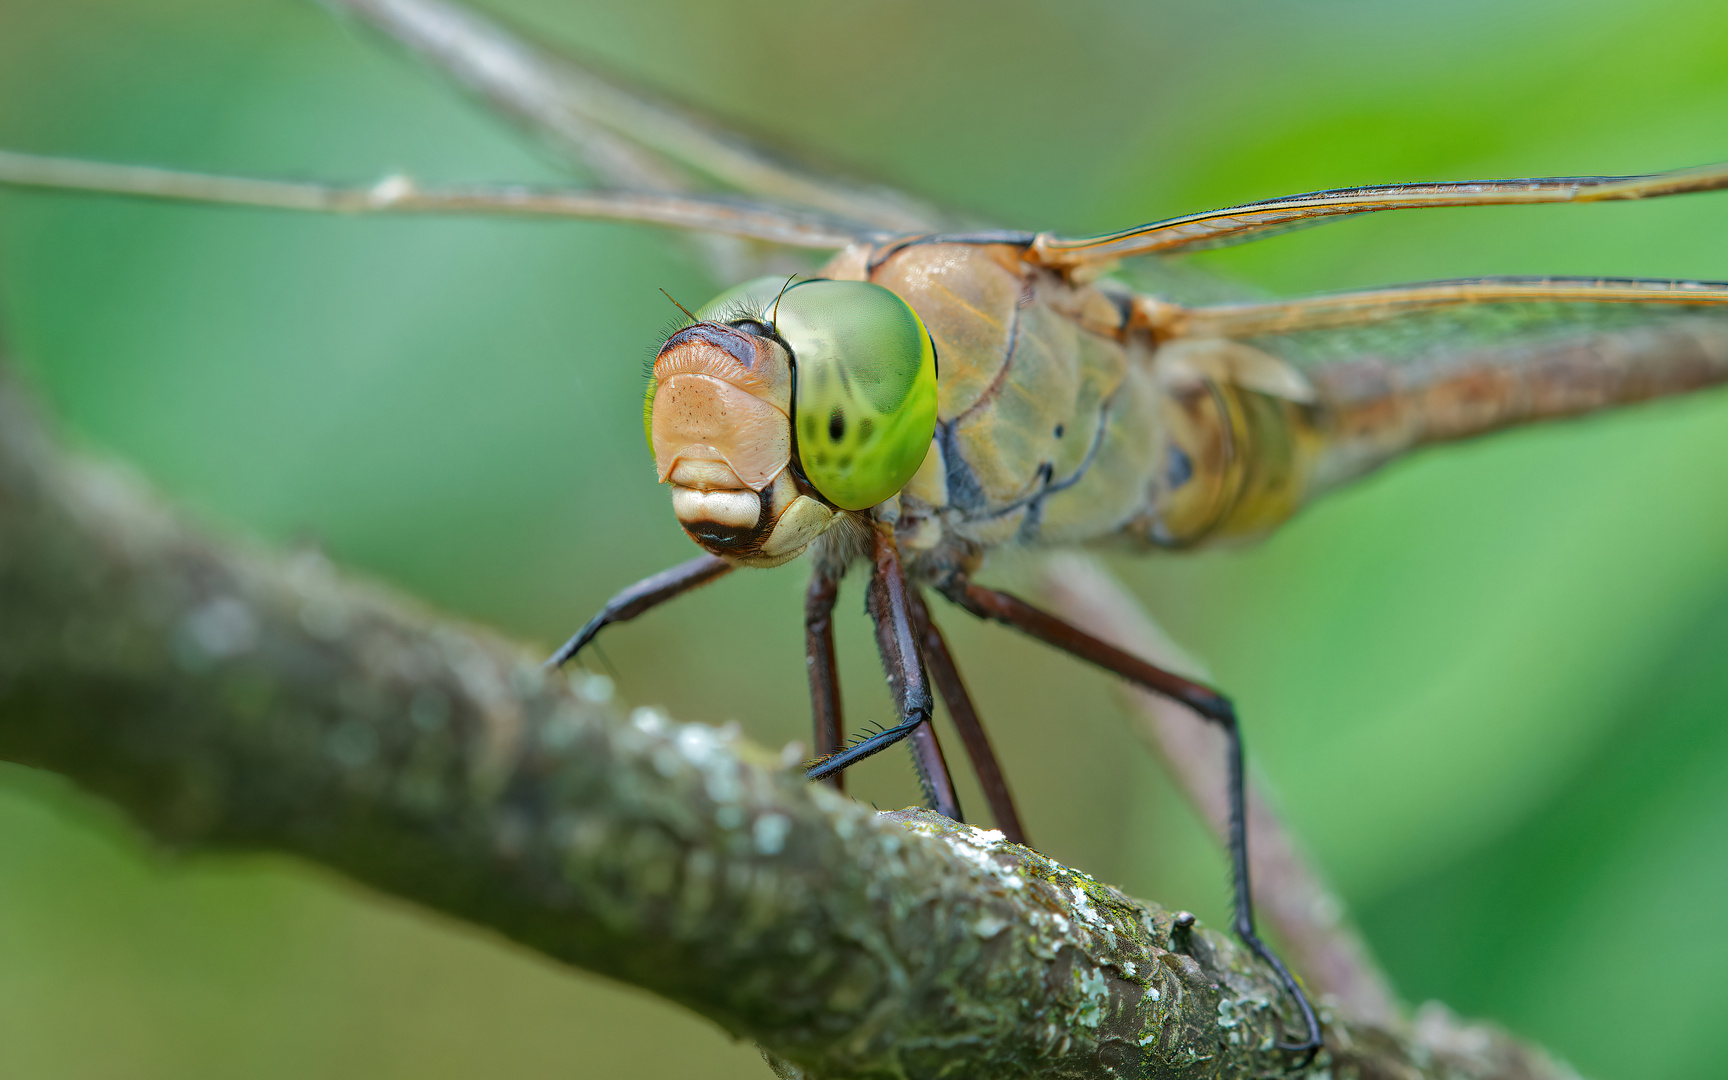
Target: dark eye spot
{"points": [[1058, 431], [1178, 470], [865, 428], [836, 425]]}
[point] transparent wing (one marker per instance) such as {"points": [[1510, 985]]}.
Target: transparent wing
{"points": [[1252, 221], [1392, 370], [399, 195], [1567, 298], [669, 159], [619, 131]]}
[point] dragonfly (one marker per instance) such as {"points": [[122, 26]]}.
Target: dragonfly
{"points": [[1019, 397]]}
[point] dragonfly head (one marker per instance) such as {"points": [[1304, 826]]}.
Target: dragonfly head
{"points": [[782, 406]]}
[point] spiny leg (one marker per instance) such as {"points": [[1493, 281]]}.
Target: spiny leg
{"points": [[819, 661], [889, 602], [946, 677], [898, 643], [1211, 705], [646, 594]]}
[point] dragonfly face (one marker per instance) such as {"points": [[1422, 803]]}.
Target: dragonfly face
{"points": [[785, 405]]}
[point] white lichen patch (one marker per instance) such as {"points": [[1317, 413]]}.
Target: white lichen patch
{"points": [[220, 628], [1227, 1017], [594, 688], [988, 926], [974, 846], [1083, 906], [649, 720], [1094, 991], [768, 834], [984, 837]]}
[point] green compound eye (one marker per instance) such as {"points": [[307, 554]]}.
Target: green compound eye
{"points": [[865, 399]]}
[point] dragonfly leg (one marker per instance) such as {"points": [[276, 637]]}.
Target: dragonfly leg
{"points": [[1012, 611], [646, 594], [897, 642], [819, 661], [953, 690]]}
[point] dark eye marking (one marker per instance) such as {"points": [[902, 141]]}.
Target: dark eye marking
{"points": [[1179, 469], [1058, 431], [836, 425]]}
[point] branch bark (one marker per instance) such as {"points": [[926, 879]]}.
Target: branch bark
{"points": [[227, 698]]}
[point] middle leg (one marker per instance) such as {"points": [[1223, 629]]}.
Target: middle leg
{"points": [[819, 661]]}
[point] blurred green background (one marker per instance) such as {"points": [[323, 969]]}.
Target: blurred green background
{"points": [[1487, 685]]}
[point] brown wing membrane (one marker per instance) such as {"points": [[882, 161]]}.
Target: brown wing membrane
{"points": [[399, 195], [1369, 306], [1250, 221]]}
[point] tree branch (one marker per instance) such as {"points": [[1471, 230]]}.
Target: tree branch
{"points": [[230, 699]]}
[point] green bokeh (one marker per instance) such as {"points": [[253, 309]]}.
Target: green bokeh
{"points": [[1486, 686]]}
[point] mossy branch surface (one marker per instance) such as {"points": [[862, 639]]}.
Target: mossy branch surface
{"points": [[231, 699]]}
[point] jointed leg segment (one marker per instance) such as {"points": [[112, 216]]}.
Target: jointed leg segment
{"points": [[1213, 706], [946, 678], [646, 594], [907, 637], [819, 662], [897, 641]]}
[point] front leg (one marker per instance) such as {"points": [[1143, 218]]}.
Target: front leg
{"points": [[897, 641], [643, 596], [819, 662]]}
